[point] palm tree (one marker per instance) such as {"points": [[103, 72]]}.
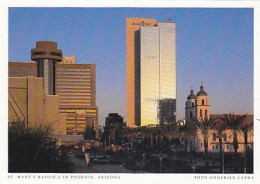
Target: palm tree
{"points": [[234, 122], [171, 130], [205, 126], [186, 131], [152, 132], [220, 126], [245, 128]]}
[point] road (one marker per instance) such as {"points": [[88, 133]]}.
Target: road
{"points": [[81, 166]]}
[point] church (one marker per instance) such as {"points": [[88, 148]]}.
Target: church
{"points": [[198, 108]]}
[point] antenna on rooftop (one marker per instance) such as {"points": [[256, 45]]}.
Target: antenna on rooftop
{"points": [[169, 20]]}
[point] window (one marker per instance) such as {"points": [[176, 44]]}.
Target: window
{"points": [[200, 113], [202, 102], [227, 147], [193, 104], [190, 114], [214, 137], [223, 146], [213, 147], [225, 137], [206, 113], [216, 146]]}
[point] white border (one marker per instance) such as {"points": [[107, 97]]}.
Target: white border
{"points": [[125, 178]]}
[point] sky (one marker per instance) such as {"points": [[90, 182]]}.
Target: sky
{"points": [[214, 45]]}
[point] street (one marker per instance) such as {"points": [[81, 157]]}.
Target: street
{"points": [[80, 166]]}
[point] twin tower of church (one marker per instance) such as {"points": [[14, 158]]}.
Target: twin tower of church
{"points": [[197, 106]]}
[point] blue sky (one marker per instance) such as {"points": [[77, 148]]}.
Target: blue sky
{"points": [[213, 45]]}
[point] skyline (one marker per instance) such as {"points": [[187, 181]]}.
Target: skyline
{"points": [[198, 47]]}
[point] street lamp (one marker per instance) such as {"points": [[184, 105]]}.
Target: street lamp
{"points": [[193, 167], [245, 158], [161, 164], [223, 159], [143, 161]]}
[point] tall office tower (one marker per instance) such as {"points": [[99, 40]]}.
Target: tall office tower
{"points": [[132, 27], [151, 72], [46, 55], [76, 87]]}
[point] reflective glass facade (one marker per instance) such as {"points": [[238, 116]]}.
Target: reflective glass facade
{"points": [[154, 75]]}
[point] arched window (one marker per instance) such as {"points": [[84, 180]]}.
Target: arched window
{"points": [[190, 114], [202, 102], [225, 137], [206, 114], [214, 137], [200, 113]]}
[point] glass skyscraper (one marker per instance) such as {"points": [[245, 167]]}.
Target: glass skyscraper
{"points": [[154, 63]]}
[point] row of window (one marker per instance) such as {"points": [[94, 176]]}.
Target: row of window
{"points": [[47, 53], [193, 103], [72, 69], [223, 146], [215, 137], [201, 115]]}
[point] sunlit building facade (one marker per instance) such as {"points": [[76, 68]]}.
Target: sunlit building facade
{"points": [[198, 109], [69, 59], [76, 87], [151, 72], [72, 85]]}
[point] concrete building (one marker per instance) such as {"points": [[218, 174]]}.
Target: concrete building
{"points": [[28, 102], [46, 54], [73, 85], [151, 72]]}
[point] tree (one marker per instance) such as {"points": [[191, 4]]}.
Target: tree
{"points": [[220, 126], [205, 126], [33, 149], [245, 128], [186, 131], [234, 122], [89, 133]]}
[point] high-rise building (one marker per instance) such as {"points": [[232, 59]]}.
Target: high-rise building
{"points": [[46, 56], [151, 72], [72, 85], [76, 87]]}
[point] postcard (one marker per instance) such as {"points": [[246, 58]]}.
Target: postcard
{"points": [[120, 93]]}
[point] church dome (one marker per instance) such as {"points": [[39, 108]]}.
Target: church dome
{"points": [[202, 92], [191, 96]]}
